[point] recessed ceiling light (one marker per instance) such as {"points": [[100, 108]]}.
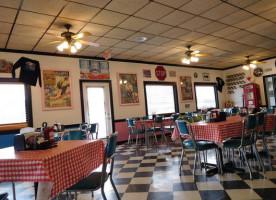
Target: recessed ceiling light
{"points": [[141, 39]]}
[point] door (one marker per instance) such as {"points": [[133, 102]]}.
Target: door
{"points": [[97, 106]]}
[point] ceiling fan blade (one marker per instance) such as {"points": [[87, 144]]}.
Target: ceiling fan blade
{"points": [[257, 62], [203, 54], [89, 43], [50, 42], [81, 35], [53, 35]]}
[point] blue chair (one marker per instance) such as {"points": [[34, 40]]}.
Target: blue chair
{"points": [[249, 131], [93, 129], [76, 135], [133, 130], [185, 129], [158, 126], [270, 111], [96, 180]]}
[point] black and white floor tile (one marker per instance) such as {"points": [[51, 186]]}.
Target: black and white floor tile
{"points": [[152, 174]]}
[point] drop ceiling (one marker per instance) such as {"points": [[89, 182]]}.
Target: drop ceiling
{"points": [[229, 29]]}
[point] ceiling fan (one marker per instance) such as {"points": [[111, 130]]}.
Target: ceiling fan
{"points": [[251, 63], [70, 40], [192, 56]]}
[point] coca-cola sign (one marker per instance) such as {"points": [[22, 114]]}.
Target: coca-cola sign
{"points": [[160, 73]]}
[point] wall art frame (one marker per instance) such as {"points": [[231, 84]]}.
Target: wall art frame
{"points": [[186, 88]]}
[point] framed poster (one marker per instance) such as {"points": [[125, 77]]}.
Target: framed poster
{"points": [[94, 69], [186, 88], [206, 76], [147, 73], [128, 88], [56, 89]]}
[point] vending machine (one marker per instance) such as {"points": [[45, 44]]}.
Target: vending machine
{"points": [[252, 95]]}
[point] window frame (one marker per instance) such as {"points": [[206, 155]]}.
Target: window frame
{"points": [[173, 84], [207, 84], [15, 127]]}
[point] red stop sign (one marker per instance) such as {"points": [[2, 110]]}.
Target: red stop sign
{"points": [[160, 73]]}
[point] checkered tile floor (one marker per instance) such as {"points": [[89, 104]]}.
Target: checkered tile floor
{"points": [[152, 174]]}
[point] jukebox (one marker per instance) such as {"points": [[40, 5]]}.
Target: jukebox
{"points": [[252, 95]]}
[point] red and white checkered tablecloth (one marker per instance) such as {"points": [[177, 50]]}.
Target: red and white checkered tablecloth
{"points": [[219, 131], [63, 165]]}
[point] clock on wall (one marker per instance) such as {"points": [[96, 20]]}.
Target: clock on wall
{"points": [[258, 72]]}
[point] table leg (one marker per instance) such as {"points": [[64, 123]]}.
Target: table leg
{"points": [[44, 190]]}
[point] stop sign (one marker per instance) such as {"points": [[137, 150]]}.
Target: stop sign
{"points": [[160, 73]]}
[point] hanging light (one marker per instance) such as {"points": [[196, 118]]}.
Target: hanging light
{"points": [[253, 66], [190, 59], [185, 61], [245, 67], [73, 49], [78, 45]]}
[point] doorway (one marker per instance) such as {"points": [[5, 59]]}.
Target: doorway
{"points": [[97, 105]]}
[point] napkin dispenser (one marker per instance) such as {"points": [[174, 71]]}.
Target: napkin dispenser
{"points": [[20, 140]]}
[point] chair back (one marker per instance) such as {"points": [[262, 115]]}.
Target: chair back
{"points": [[270, 111], [145, 117], [111, 145], [130, 122], [234, 111], [158, 119], [76, 135], [94, 128], [183, 128], [175, 116], [189, 114], [274, 124], [249, 129]]}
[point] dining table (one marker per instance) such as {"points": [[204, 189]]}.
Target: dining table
{"points": [[220, 131], [55, 169], [149, 123]]}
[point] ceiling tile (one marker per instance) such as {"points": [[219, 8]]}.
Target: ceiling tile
{"points": [[79, 12], [174, 43], [22, 40], [95, 3], [212, 27], [236, 17], [126, 44], [173, 51], [153, 11], [159, 49], [242, 3], [147, 54], [107, 41], [27, 31], [249, 22], [144, 47], [60, 22], [5, 27], [122, 56], [191, 36], [126, 7], [261, 6], [34, 19], [174, 4], [206, 39], [195, 23], [131, 52], [7, 14], [119, 33], [52, 48], [226, 31], [252, 39], [10, 4], [96, 29], [134, 23], [262, 27], [115, 50], [19, 46], [99, 49], [44, 7], [174, 32], [175, 18], [110, 18], [3, 38], [199, 6], [269, 14], [219, 11], [139, 34], [88, 53], [237, 35], [156, 28], [269, 44], [158, 40]]}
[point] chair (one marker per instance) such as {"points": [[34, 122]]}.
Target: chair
{"points": [[93, 129], [264, 134], [133, 130], [4, 196], [158, 125], [185, 129], [96, 180], [171, 127], [249, 130], [234, 111], [270, 111], [76, 135], [84, 127]]}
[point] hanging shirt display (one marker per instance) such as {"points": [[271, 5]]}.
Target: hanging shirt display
{"points": [[30, 71]]}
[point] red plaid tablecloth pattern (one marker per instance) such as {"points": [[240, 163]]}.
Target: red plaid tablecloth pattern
{"points": [[64, 165]]}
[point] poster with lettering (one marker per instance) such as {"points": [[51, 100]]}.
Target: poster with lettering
{"points": [[186, 88]]}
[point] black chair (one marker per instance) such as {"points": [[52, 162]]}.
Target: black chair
{"points": [[93, 129], [96, 180], [4, 196]]}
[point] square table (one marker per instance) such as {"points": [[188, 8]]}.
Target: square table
{"points": [[56, 169]]}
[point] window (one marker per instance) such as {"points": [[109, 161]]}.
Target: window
{"points": [[206, 96], [161, 98], [15, 105]]}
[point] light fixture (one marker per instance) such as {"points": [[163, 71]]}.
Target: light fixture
{"points": [[140, 39], [73, 49], [78, 45], [189, 59], [245, 67]]}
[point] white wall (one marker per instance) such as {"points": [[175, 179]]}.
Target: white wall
{"points": [[236, 98], [73, 116]]}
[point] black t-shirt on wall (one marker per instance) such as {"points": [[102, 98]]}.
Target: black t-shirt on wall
{"points": [[30, 71]]}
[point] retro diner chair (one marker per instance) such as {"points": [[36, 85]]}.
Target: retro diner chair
{"points": [[93, 129]]}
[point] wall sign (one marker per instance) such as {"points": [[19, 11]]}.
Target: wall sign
{"points": [[186, 88], [147, 73], [160, 73]]}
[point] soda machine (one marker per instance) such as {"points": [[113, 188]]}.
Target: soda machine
{"points": [[251, 93]]}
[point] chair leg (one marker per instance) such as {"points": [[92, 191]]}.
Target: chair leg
{"points": [[195, 164], [258, 157], [265, 148], [113, 185], [136, 139], [181, 158], [246, 162], [13, 191], [103, 194], [92, 193], [128, 140], [75, 196], [155, 138]]}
